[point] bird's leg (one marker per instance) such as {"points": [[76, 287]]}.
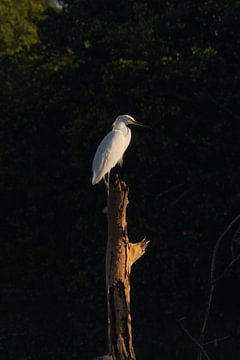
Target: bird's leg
{"points": [[106, 182]]}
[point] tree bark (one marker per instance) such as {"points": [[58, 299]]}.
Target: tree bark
{"points": [[120, 256]]}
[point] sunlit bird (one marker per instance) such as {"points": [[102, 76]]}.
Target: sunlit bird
{"points": [[112, 148]]}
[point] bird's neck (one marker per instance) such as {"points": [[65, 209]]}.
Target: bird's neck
{"points": [[122, 127]]}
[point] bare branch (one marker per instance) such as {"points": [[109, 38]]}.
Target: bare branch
{"points": [[169, 190], [195, 341], [216, 247], [206, 316], [172, 188], [184, 193], [215, 341], [234, 240], [232, 262], [214, 279]]}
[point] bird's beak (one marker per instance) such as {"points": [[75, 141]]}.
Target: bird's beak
{"points": [[135, 122]]}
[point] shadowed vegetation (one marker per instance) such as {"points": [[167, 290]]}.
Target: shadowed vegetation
{"points": [[65, 76]]}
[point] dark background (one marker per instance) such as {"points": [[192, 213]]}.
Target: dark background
{"points": [[173, 65]]}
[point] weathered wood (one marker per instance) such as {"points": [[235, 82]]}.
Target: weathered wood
{"points": [[120, 256]]}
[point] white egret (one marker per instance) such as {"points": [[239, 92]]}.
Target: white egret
{"points": [[112, 148]]}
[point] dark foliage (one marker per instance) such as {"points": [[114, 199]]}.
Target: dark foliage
{"points": [[174, 66]]}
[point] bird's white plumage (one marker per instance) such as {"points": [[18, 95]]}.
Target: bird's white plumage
{"points": [[109, 153], [112, 147]]}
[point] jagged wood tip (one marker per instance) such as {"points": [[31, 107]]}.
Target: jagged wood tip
{"points": [[138, 249]]}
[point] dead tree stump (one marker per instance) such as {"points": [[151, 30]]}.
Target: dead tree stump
{"points": [[120, 256]]}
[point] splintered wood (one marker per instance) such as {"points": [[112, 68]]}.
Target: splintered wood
{"points": [[120, 256]]}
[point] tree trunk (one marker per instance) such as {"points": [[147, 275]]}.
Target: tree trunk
{"points": [[120, 256]]}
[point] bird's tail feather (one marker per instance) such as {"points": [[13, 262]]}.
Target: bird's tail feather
{"points": [[95, 179]]}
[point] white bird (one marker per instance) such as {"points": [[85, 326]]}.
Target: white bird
{"points": [[112, 148]]}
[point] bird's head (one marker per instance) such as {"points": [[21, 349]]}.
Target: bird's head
{"points": [[126, 120]]}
